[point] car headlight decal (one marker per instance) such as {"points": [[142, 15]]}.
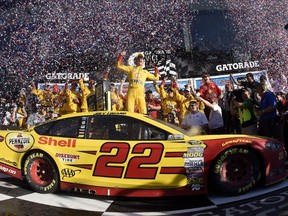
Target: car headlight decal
{"points": [[273, 146]]}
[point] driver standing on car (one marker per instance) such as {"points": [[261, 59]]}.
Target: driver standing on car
{"points": [[136, 77]]}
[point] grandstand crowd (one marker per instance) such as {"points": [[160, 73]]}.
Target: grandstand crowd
{"points": [[247, 107]]}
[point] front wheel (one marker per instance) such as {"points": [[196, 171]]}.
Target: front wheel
{"points": [[236, 171], [41, 173]]}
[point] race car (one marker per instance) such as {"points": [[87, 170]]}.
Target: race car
{"points": [[131, 154]]}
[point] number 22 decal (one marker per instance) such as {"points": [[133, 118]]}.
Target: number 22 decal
{"points": [[135, 165]]}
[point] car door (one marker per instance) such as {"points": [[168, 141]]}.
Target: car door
{"points": [[130, 152]]}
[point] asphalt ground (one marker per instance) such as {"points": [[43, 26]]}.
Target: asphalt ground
{"points": [[17, 199]]}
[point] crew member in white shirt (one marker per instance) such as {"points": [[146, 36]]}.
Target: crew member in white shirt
{"points": [[194, 121]]}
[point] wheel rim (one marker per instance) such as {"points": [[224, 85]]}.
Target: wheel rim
{"points": [[236, 170], [41, 172]]}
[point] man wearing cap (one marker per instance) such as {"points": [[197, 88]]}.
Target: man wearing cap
{"points": [[137, 77], [188, 95], [170, 106], [73, 98], [86, 91], [44, 95], [194, 120]]}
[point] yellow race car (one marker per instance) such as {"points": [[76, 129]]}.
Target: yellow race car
{"points": [[130, 154]]}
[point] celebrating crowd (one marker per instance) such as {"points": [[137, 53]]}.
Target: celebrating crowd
{"points": [[247, 107]]}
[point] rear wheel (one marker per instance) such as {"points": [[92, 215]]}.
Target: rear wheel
{"points": [[236, 171], [41, 173]]}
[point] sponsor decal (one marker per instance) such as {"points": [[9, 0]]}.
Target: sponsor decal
{"points": [[65, 76], [224, 156], [67, 157], [193, 154], [9, 171], [47, 188], [247, 187], [70, 143], [281, 155], [194, 165], [8, 162], [237, 141], [69, 173], [238, 66], [19, 142]]}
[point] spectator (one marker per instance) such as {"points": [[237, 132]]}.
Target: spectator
{"points": [[285, 126], [194, 121], [227, 116], [266, 112], [208, 91], [36, 117], [265, 83], [58, 100], [248, 83], [215, 122], [50, 115], [281, 110], [247, 117], [12, 117], [153, 104]]}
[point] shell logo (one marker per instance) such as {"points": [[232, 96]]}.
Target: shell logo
{"points": [[19, 142]]}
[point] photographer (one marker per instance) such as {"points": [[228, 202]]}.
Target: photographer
{"points": [[11, 118]]}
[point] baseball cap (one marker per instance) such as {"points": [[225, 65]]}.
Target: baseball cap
{"points": [[247, 89], [148, 92], [192, 102], [140, 55]]}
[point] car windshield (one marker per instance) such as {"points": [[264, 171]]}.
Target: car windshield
{"points": [[175, 127]]}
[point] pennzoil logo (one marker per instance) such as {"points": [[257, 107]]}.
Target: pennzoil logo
{"points": [[19, 142]]}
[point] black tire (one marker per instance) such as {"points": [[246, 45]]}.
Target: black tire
{"points": [[41, 173], [236, 171]]}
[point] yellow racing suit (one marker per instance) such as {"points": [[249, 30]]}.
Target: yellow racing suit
{"points": [[137, 77], [86, 92]]}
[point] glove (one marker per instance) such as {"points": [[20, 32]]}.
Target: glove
{"points": [[121, 56]]}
